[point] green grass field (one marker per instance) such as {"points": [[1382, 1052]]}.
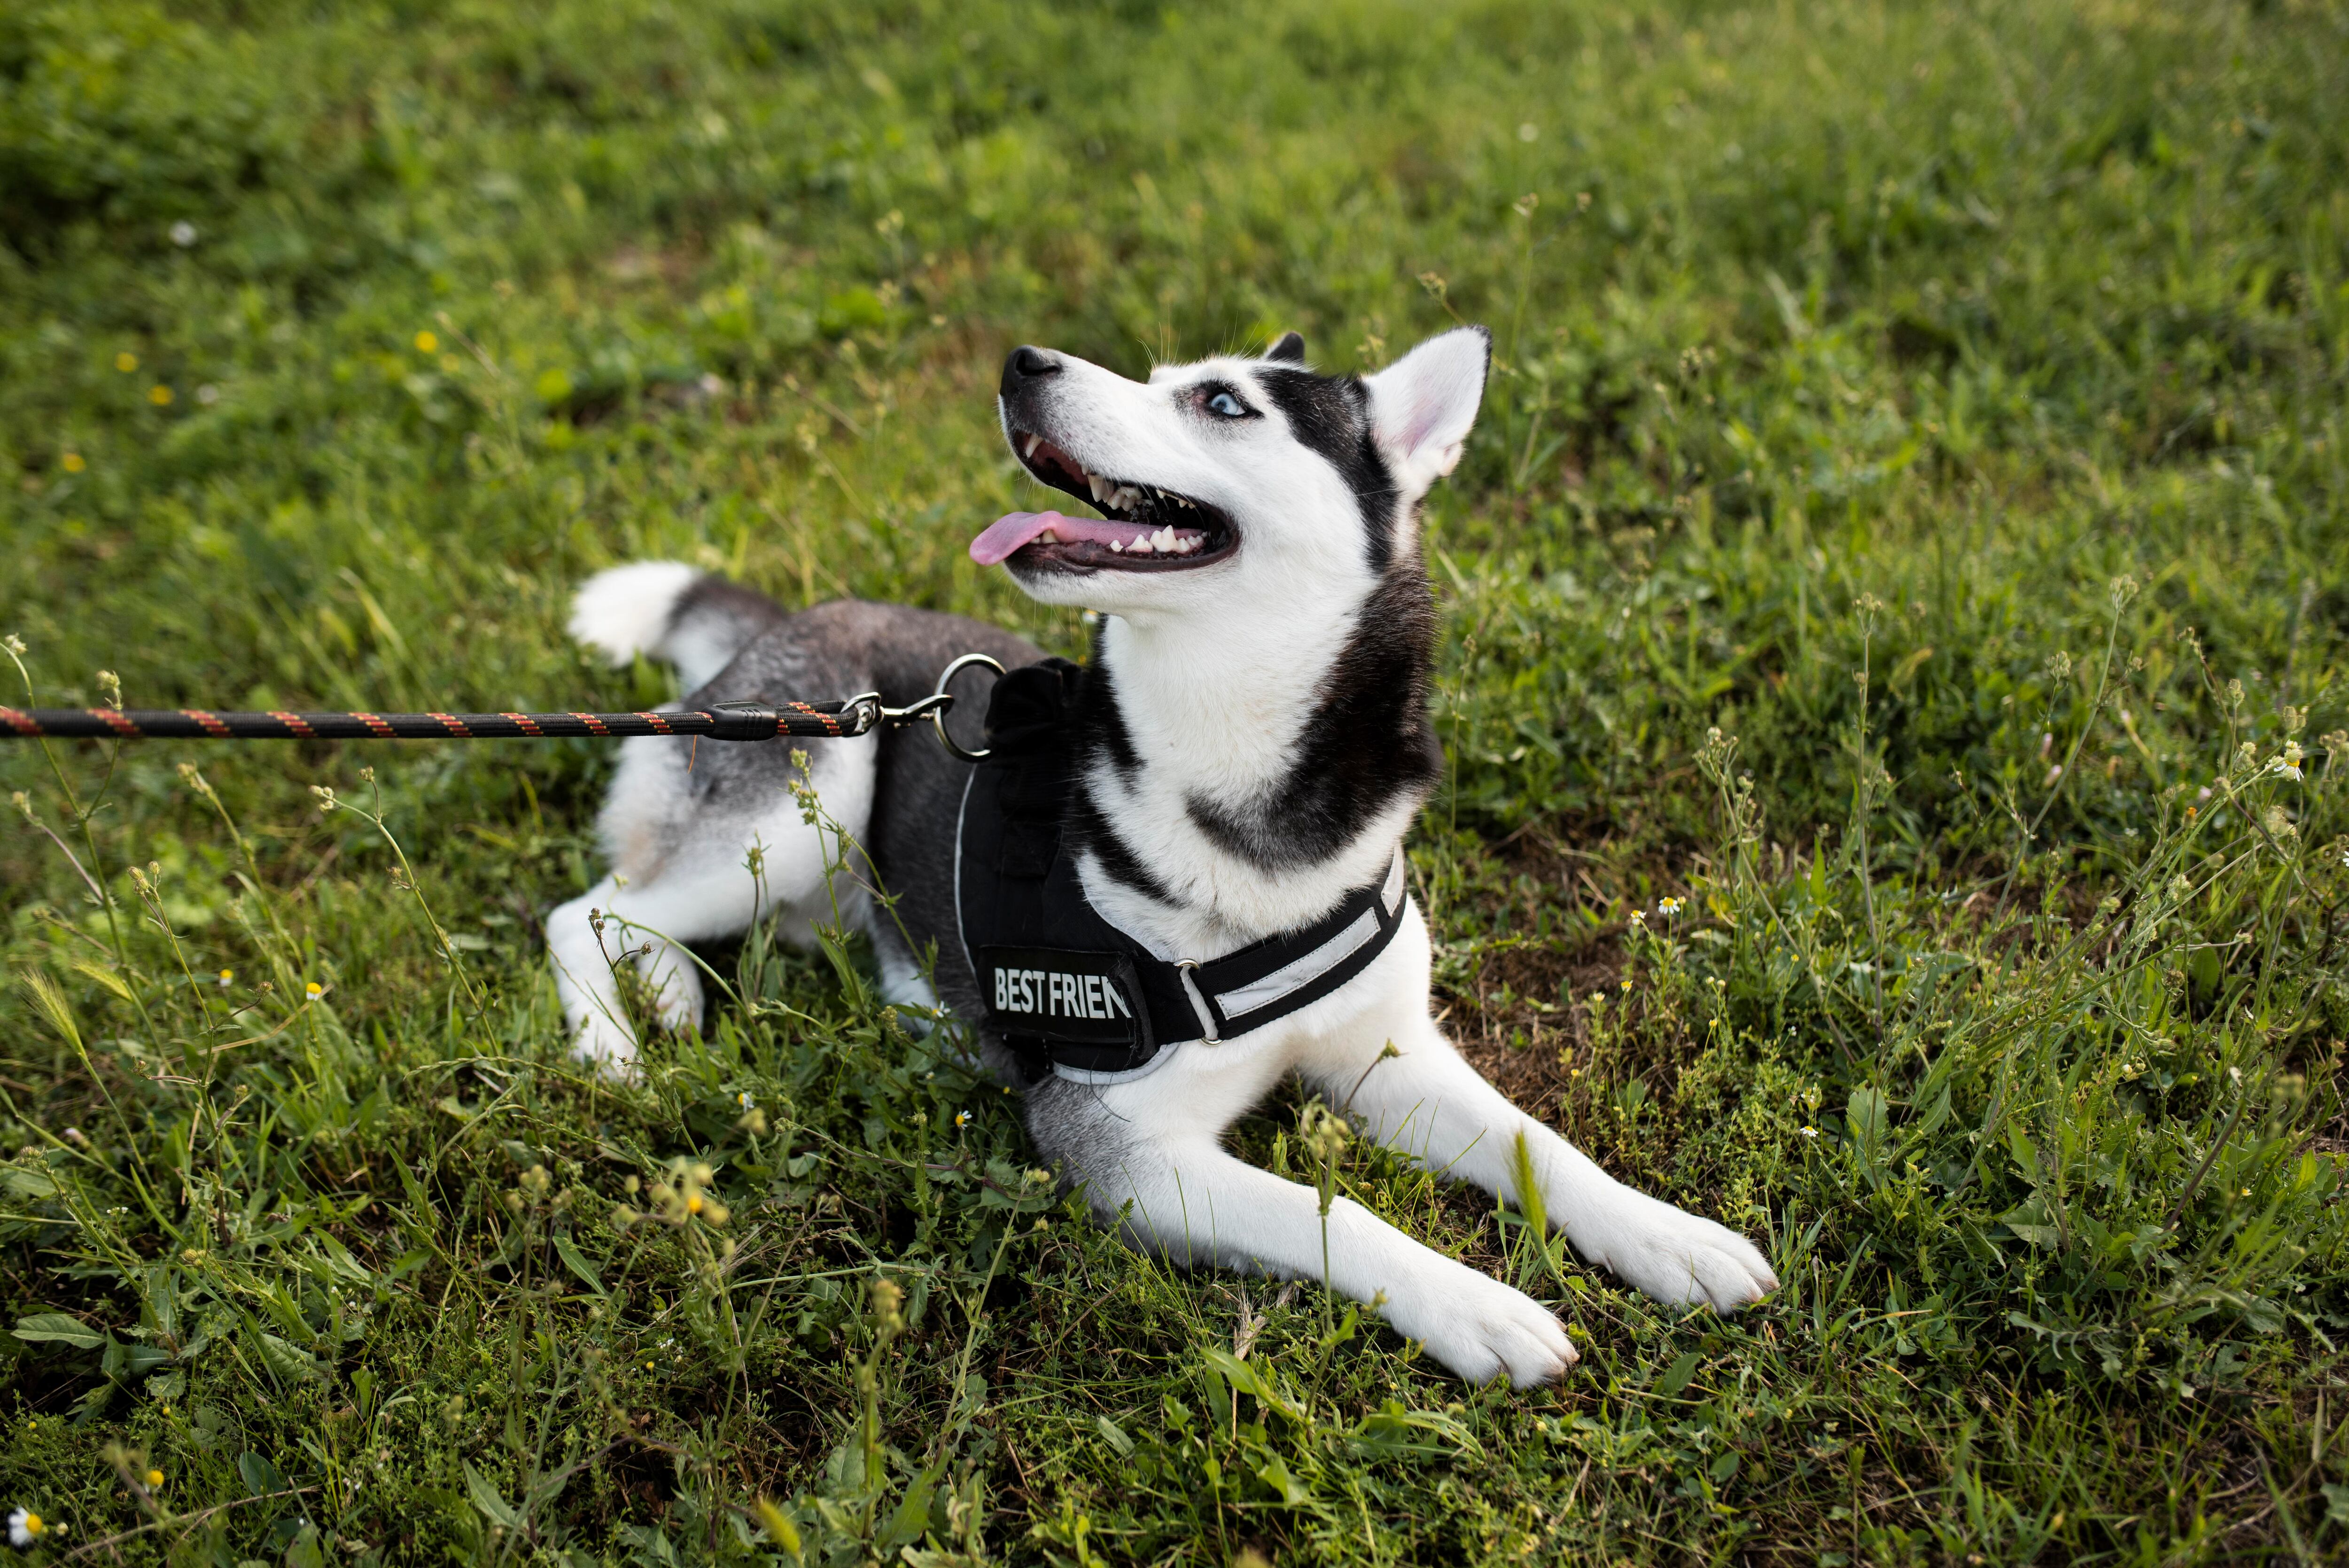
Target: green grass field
{"points": [[1908, 523]]}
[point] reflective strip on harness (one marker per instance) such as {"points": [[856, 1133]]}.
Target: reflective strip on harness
{"points": [[1237, 1004]]}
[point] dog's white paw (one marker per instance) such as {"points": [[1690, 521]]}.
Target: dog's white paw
{"points": [[607, 1045], [1681, 1258], [1480, 1329], [677, 994]]}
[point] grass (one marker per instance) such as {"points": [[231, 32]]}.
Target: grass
{"points": [[1907, 524]]}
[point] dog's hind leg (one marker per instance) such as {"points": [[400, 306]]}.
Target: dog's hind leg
{"points": [[717, 873], [636, 927]]}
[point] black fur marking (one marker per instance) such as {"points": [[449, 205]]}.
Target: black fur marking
{"points": [[1101, 722], [1100, 728], [1331, 414], [1369, 741], [1291, 347], [1091, 831]]}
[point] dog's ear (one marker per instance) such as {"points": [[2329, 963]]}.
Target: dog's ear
{"points": [[1422, 405], [1290, 349]]}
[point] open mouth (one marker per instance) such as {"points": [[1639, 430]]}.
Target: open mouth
{"points": [[1143, 527]]}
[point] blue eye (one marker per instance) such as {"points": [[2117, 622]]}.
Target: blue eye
{"points": [[1229, 407]]}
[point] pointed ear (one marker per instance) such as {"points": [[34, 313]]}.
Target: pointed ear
{"points": [[1422, 405], [1291, 348]]}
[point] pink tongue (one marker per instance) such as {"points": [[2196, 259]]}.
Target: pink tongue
{"points": [[1016, 530], [1009, 532]]}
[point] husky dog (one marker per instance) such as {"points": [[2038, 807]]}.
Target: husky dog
{"points": [[1252, 742]]}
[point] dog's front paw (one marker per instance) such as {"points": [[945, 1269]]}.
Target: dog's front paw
{"points": [[1681, 1258], [1481, 1329]]}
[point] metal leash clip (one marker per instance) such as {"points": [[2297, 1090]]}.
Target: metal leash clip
{"points": [[868, 711]]}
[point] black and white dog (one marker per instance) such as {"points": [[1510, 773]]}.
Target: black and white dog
{"points": [[1249, 745]]}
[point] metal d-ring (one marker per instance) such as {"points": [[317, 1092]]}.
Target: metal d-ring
{"points": [[932, 707], [1184, 969], [937, 702]]}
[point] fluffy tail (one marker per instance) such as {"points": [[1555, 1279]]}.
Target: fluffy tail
{"points": [[667, 610]]}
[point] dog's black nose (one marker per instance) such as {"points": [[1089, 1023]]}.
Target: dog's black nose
{"points": [[1027, 365]]}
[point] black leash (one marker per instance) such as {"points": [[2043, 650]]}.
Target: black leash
{"points": [[837, 720], [720, 721]]}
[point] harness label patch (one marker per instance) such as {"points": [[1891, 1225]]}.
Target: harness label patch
{"points": [[1058, 995]]}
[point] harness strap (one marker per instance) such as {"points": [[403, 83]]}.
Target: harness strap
{"points": [[1066, 990], [1270, 979]]}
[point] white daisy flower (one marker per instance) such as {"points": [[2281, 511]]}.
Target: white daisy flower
{"points": [[24, 1527]]}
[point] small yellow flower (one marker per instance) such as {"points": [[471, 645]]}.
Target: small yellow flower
{"points": [[159, 395], [694, 1205], [154, 1479], [426, 343], [24, 1527], [126, 362], [314, 990], [72, 463], [1670, 906], [962, 1118], [226, 975]]}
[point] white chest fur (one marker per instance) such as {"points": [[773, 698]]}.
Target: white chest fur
{"points": [[1215, 715]]}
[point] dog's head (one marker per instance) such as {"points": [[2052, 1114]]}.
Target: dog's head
{"points": [[1229, 477]]}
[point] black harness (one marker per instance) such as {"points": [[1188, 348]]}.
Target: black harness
{"points": [[1070, 993]]}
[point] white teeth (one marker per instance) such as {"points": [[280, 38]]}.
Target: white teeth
{"points": [[1117, 546], [1164, 538], [1033, 442], [1098, 485], [1048, 537], [1142, 546], [1124, 497]]}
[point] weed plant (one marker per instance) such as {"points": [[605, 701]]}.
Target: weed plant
{"points": [[1895, 621]]}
